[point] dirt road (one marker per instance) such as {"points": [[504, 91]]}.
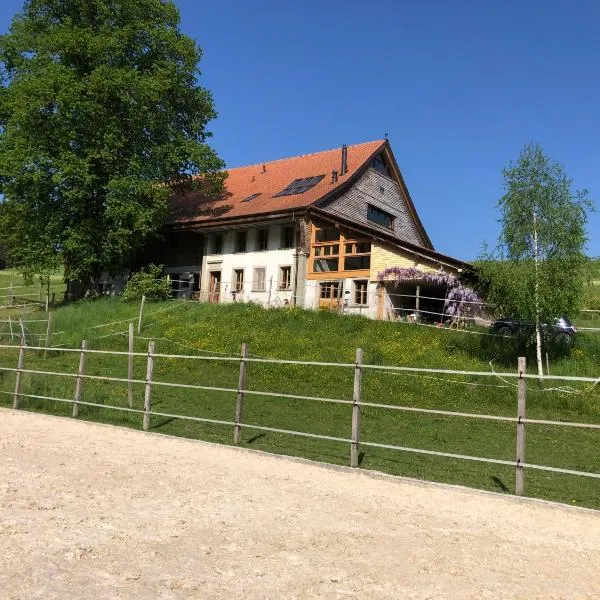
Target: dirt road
{"points": [[89, 511]]}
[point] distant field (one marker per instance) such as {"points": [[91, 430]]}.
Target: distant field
{"points": [[25, 298]]}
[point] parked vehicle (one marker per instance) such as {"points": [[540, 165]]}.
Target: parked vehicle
{"points": [[561, 332]]}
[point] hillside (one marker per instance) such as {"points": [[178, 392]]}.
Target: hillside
{"points": [[201, 329]]}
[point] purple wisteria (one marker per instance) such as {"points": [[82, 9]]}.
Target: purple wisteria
{"points": [[459, 301]]}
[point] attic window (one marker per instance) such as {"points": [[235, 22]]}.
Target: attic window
{"points": [[251, 197], [379, 164], [299, 186]]}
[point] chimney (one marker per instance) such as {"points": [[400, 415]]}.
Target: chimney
{"points": [[334, 176], [344, 169]]}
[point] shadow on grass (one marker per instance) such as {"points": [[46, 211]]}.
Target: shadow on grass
{"points": [[499, 484]]}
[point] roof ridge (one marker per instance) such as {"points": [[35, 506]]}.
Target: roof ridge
{"points": [[269, 162]]}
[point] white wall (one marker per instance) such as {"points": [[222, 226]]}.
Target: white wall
{"points": [[271, 259], [313, 294]]}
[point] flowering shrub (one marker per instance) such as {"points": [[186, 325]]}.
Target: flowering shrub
{"points": [[460, 301]]}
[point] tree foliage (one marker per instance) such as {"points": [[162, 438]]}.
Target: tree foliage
{"points": [[100, 109], [536, 273], [149, 281]]}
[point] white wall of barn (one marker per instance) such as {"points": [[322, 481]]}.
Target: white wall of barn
{"points": [[272, 260]]}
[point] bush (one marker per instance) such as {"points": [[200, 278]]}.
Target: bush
{"points": [[148, 281]]}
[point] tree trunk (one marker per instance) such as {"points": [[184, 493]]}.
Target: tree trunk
{"points": [[538, 349], [538, 333]]}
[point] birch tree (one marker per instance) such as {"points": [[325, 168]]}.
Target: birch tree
{"points": [[537, 270]]}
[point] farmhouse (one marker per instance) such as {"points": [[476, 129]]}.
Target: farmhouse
{"points": [[311, 231]]}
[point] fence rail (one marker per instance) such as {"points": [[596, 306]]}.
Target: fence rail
{"points": [[357, 403]]}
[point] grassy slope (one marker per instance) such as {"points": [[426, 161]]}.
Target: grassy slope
{"points": [[26, 294], [195, 329]]}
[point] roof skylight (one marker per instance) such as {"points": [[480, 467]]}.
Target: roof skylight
{"points": [[251, 197], [299, 186]]}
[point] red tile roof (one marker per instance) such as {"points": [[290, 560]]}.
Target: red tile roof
{"points": [[268, 179]]}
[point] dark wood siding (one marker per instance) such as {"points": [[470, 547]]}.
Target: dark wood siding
{"points": [[383, 193]]}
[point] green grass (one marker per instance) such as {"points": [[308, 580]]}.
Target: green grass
{"points": [[200, 329], [33, 295]]}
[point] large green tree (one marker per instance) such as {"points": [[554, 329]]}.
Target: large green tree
{"points": [[100, 111], [536, 273]]}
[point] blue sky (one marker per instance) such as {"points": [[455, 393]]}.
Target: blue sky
{"points": [[459, 87]]}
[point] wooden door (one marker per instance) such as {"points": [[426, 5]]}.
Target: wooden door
{"points": [[214, 287]]}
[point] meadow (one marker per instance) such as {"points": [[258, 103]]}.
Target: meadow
{"points": [[191, 328]]}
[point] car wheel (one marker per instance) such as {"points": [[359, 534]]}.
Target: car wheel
{"points": [[564, 340], [505, 331]]}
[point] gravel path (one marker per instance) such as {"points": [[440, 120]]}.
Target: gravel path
{"points": [[90, 511]]}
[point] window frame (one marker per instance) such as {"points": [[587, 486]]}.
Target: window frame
{"points": [[236, 237], [346, 245], [364, 294], [282, 241], [265, 231], [255, 280], [216, 249], [372, 208], [280, 278], [238, 285]]}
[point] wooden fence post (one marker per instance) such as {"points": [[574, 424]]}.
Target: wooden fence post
{"points": [[20, 367], [270, 291], [239, 407], [130, 367], [356, 408], [380, 301], [139, 329], [48, 330], [10, 327], [148, 393], [79, 380], [520, 474], [418, 302]]}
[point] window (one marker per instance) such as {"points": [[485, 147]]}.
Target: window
{"points": [[359, 247], [288, 237], [361, 287], [299, 186], [357, 255], [262, 239], [217, 243], [380, 165], [240, 241], [330, 290], [332, 249], [259, 280], [380, 217], [336, 250], [238, 280], [249, 198], [285, 278], [324, 265], [355, 263], [329, 234]]}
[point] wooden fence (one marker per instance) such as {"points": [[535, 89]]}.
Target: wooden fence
{"points": [[241, 392]]}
